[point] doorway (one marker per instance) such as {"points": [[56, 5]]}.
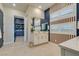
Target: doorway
{"points": [[1, 28], [18, 29]]}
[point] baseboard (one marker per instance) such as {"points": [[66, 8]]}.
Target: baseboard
{"points": [[6, 43]]}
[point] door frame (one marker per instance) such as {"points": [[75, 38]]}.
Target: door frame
{"points": [[14, 26]]}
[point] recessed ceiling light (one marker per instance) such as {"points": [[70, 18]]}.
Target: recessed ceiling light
{"points": [[14, 4], [40, 7]]}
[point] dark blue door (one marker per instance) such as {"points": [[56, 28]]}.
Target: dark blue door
{"points": [[19, 27]]}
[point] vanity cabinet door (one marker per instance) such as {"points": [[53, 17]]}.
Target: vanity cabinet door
{"points": [[68, 52], [36, 38], [41, 38], [46, 37]]}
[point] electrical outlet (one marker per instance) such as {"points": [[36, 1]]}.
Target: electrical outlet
{"points": [[55, 40]]}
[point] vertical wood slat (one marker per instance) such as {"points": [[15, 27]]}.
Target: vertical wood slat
{"points": [[71, 21]]}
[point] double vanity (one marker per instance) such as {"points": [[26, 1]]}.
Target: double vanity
{"points": [[70, 47]]}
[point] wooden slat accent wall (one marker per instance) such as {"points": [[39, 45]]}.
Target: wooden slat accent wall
{"points": [[59, 38], [71, 19], [56, 37]]}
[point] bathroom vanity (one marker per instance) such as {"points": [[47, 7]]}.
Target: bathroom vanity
{"points": [[70, 47], [40, 38]]}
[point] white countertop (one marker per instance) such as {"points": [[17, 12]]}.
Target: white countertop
{"points": [[71, 44]]}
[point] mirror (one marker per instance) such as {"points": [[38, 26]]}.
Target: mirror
{"points": [[1, 28]]}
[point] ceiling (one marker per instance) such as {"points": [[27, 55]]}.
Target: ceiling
{"points": [[43, 5], [24, 6], [19, 6]]}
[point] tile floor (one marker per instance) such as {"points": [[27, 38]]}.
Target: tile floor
{"points": [[21, 49]]}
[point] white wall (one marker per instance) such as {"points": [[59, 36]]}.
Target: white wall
{"points": [[34, 12], [30, 13], [1, 7], [9, 24]]}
